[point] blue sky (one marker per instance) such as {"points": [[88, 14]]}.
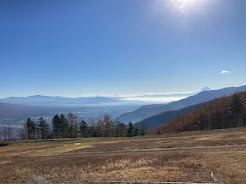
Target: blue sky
{"points": [[108, 47]]}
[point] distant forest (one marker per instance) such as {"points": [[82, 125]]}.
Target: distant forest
{"points": [[227, 112], [70, 127]]}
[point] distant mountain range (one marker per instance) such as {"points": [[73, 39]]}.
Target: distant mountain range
{"points": [[39, 100], [150, 110]]}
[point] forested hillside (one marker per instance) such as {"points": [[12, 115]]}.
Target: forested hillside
{"points": [[164, 117], [228, 112]]}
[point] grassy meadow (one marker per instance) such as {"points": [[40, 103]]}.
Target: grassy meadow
{"points": [[216, 156]]}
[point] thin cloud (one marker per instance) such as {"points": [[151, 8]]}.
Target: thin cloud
{"points": [[153, 100], [224, 71]]}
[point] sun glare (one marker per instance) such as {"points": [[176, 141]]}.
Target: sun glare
{"points": [[182, 6], [180, 3]]}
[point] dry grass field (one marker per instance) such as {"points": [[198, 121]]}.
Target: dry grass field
{"points": [[217, 156]]}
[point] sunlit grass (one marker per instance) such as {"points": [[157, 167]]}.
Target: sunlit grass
{"points": [[185, 157]]}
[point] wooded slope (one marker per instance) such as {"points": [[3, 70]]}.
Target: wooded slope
{"points": [[228, 112], [167, 116]]}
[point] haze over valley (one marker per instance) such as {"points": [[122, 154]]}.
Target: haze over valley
{"points": [[15, 110]]}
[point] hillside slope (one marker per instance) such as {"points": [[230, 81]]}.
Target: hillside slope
{"points": [[228, 112], [150, 110], [164, 117]]}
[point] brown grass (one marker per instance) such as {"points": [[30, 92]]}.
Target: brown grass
{"points": [[178, 157]]}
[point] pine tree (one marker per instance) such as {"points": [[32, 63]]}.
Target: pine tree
{"points": [[57, 127], [158, 132], [31, 129], [136, 131], [72, 120], [44, 128], [83, 129], [130, 130], [64, 126]]}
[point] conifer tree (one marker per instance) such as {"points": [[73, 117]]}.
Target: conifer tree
{"points": [[44, 128], [130, 130], [83, 126], [31, 129]]}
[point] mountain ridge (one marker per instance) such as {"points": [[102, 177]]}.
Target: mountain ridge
{"points": [[150, 110], [39, 100]]}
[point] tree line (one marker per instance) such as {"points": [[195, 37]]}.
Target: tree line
{"points": [[71, 127], [227, 112], [7, 134]]}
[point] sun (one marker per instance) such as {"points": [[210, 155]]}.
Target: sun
{"points": [[184, 9], [183, 4]]}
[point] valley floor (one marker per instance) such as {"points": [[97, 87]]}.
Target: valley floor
{"points": [[217, 156]]}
